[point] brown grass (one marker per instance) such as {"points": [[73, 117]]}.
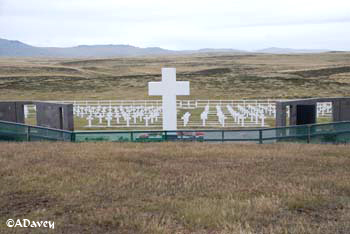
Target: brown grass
{"points": [[213, 76], [176, 187]]}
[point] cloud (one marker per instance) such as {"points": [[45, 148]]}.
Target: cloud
{"points": [[182, 24]]}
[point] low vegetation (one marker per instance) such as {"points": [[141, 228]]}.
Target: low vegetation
{"points": [[176, 187], [212, 76]]}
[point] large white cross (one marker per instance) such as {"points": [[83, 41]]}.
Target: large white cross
{"points": [[169, 88]]}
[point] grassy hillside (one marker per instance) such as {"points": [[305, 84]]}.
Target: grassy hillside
{"points": [[176, 188], [225, 76]]}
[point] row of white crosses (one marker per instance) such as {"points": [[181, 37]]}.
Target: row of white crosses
{"points": [[147, 115], [252, 112], [268, 110], [237, 116], [132, 115], [243, 115], [255, 113]]}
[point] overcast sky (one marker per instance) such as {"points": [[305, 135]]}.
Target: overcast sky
{"points": [[180, 24]]}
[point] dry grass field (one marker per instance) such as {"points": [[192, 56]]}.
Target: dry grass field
{"points": [[176, 187], [214, 76]]}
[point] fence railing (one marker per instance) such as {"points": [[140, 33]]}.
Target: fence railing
{"points": [[338, 132], [10, 131]]}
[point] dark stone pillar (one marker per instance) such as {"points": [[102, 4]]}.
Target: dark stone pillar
{"points": [[293, 115], [336, 110], [52, 115], [20, 111], [280, 115], [345, 110], [8, 111]]}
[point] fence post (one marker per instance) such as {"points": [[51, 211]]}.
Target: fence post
{"points": [[165, 136], [260, 136], [28, 133], [131, 136], [222, 135], [72, 137], [308, 134]]}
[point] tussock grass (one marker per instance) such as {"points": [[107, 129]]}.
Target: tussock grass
{"points": [[176, 187]]}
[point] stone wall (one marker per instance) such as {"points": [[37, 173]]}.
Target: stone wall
{"points": [[51, 115]]}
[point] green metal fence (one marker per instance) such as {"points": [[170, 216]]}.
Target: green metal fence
{"points": [[10, 131], [316, 133]]}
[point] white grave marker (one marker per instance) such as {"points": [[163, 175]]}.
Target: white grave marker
{"points": [[90, 119], [169, 88], [186, 118], [100, 117], [109, 119]]}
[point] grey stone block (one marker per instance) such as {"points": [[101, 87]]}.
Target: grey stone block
{"points": [[51, 115]]}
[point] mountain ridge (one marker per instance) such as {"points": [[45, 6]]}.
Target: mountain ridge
{"points": [[15, 48]]}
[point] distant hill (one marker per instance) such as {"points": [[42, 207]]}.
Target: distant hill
{"points": [[209, 50], [10, 48], [105, 51], [276, 50], [17, 48]]}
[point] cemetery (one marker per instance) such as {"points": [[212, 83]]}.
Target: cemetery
{"points": [[113, 180], [172, 119]]}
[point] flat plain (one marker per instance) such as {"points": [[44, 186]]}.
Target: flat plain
{"points": [[212, 76]]}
